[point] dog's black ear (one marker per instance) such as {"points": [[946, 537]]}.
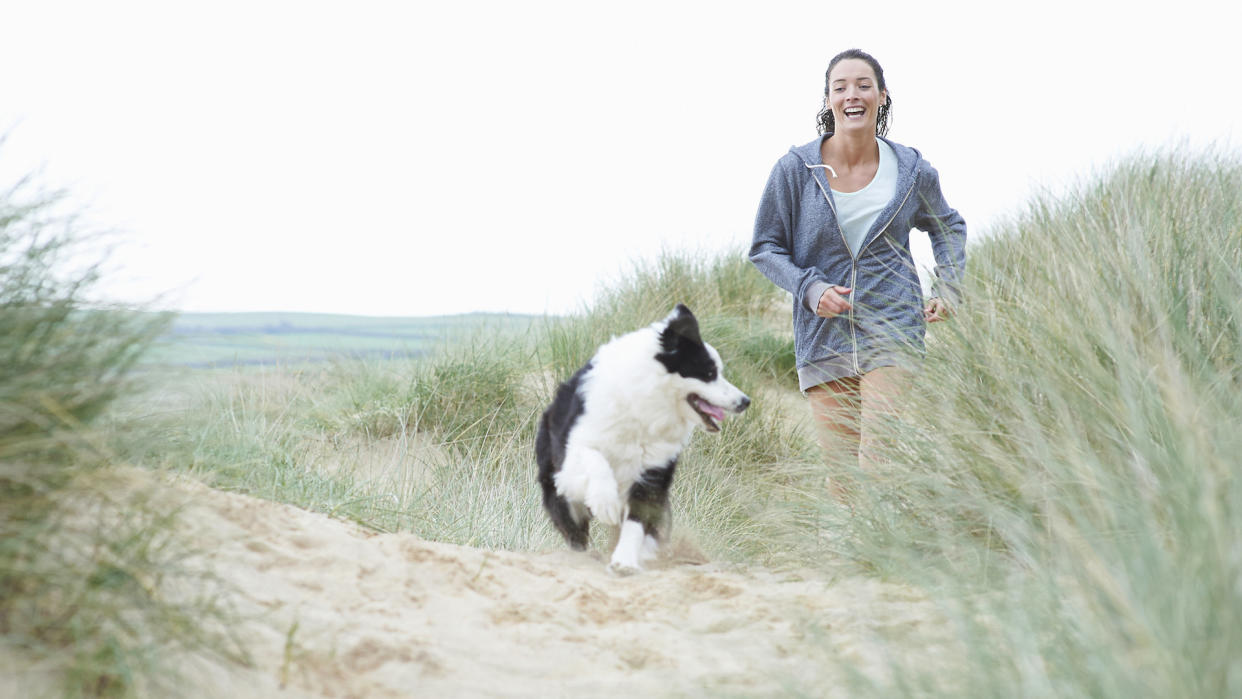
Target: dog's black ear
{"points": [[683, 350], [681, 326]]}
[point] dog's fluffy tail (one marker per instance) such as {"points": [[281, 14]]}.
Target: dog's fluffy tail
{"points": [[573, 525], [576, 530]]}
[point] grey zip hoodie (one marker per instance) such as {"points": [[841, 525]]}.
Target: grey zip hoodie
{"points": [[799, 245]]}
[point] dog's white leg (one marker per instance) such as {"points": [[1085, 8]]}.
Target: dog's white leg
{"points": [[625, 558], [602, 493], [587, 478]]}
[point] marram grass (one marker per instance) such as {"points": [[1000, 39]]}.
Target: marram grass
{"points": [[1067, 472], [83, 573]]}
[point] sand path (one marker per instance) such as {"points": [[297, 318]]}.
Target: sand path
{"points": [[334, 610]]}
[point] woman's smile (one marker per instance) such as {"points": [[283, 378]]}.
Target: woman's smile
{"points": [[853, 96]]}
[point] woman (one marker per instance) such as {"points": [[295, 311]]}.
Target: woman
{"points": [[833, 229]]}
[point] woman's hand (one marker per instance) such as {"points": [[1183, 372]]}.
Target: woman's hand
{"points": [[937, 310], [832, 303]]}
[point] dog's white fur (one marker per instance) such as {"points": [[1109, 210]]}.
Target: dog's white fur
{"points": [[636, 417]]}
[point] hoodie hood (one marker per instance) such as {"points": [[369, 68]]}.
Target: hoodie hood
{"points": [[812, 158]]}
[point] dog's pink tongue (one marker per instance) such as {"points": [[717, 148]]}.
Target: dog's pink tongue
{"points": [[712, 410]]}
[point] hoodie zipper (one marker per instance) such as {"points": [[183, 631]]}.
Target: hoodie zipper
{"points": [[854, 257]]}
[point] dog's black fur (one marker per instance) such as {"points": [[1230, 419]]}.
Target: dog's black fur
{"points": [[550, 443]]}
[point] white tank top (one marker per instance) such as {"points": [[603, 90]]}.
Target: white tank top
{"points": [[857, 211]]}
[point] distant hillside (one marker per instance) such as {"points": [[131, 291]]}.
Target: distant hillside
{"points": [[232, 339]]}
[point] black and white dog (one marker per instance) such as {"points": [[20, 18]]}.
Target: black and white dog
{"points": [[608, 444]]}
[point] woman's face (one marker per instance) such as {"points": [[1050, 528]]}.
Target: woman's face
{"points": [[854, 96]]}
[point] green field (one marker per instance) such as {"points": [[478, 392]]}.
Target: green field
{"points": [[239, 339]]}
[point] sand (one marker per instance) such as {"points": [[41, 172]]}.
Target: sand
{"points": [[329, 609], [332, 610]]}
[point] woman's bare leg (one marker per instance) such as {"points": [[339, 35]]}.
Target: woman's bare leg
{"points": [[882, 391], [835, 407], [848, 413]]}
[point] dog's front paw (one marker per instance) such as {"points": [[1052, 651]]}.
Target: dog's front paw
{"points": [[605, 505], [624, 569], [627, 557]]}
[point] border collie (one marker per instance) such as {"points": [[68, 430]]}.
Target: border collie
{"points": [[608, 444]]}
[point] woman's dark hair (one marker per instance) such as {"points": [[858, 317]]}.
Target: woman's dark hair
{"points": [[825, 120]]}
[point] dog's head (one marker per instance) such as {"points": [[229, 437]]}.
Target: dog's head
{"points": [[696, 368]]}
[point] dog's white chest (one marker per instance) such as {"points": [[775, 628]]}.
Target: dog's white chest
{"points": [[662, 451], [630, 459]]}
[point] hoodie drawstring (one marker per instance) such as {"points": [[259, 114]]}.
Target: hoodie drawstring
{"points": [[828, 167]]}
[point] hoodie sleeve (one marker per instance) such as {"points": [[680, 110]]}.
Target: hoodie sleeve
{"points": [[947, 230], [771, 248]]}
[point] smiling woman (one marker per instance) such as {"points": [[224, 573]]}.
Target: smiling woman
{"points": [[833, 229], [864, 77]]}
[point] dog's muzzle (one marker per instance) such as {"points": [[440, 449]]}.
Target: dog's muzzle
{"points": [[713, 415]]}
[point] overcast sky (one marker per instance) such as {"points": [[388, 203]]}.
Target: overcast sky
{"points": [[421, 158]]}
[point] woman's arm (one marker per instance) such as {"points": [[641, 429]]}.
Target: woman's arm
{"points": [[947, 230], [771, 248]]}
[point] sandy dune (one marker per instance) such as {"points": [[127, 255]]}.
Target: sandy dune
{"points": [[333, 610]]}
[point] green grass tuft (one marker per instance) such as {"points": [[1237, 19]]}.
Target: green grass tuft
{"points": [[1072, 449], [83, 605]]}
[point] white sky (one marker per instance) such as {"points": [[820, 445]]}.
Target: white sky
{"points": [[420, 158]]}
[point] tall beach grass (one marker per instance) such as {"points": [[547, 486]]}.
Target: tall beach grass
{"points": [[84, 559], [1066, 477]]}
